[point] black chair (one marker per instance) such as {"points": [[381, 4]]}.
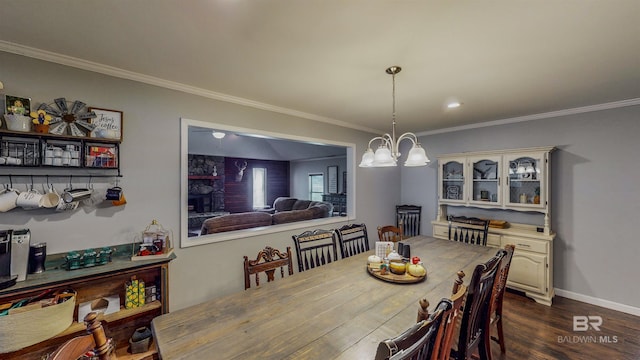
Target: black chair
{"points": [[408, 218], [468, 230], [315, 248], [475, 316], [353, 240], [418, 341]]}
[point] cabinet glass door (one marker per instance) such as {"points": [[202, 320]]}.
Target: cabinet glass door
{"points": [[452, 181], [485, 188], [525, 180]]}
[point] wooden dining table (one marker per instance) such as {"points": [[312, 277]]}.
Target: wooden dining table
{"points": [[336, 311]]}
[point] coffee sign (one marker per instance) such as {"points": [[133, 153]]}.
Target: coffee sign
{"points": [[108, 124]]}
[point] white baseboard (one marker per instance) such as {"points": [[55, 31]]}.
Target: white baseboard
{"points": [[599, 302]]}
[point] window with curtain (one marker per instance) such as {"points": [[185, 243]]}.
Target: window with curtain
{"points": [[259, 188], [316, 186]]}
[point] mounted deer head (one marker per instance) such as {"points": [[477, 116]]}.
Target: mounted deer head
{"points": [[241, 169]]}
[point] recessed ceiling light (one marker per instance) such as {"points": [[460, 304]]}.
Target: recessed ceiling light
{"points": [[454, 104], [218, 134]]}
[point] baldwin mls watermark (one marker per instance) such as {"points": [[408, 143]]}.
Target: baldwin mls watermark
{"points": [[582, 323]]}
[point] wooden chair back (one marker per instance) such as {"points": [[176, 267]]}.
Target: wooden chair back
{"points": [[450, 320], [408, 218], [475, 317], [353, 240], [78, 346], [418, 341], [268, 261], [468, 230], [390, 233], [315, 248], [499, 287]]}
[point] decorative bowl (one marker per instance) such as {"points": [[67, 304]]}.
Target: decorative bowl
{"points": [[18, 122], [397, 267]]}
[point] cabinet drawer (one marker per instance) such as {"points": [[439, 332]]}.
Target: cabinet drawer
{"points": [[525, 244], [441, 231]]}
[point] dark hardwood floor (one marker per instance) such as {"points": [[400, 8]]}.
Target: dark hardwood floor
{"points": [[534, 331]]}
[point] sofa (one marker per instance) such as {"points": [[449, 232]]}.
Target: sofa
{"points": [[284, 210]]}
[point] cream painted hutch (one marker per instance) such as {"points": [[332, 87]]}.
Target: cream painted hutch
{"points": [[516, 180]]}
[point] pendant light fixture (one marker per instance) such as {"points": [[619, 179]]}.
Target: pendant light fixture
{"points": [[388, 151]]}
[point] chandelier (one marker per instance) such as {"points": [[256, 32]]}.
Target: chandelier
{"points": [[388, 151]]}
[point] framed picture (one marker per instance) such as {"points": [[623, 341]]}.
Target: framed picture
{"points": [[108, 124], [332, 179], [17, 105]]}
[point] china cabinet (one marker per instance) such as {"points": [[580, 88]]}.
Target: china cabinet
{"points": [[508, 179], [515, 180]]}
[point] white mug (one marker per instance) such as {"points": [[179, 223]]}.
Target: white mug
{"points": [[12, 161], [29, 200], [8, 199], [50, 199]]}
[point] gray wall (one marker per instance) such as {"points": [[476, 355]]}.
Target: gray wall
{"points": [[150, 159], [595, 194]]}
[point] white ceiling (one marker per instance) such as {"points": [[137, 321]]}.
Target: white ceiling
{"points": [[326, 59]]}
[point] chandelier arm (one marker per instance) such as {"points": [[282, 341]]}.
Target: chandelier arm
{"points": [[410, 136], [385, 138]]}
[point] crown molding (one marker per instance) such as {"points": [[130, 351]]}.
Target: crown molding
{"points": [[547, 115], [172, 85]]}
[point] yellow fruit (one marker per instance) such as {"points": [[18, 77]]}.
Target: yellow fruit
{"points": [[397, 267], [416, 270]]}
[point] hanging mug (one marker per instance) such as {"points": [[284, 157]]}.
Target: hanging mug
{"points": [[29, 200], [71, 195], [8, 198], [114, 193], [50, 198], [67, 206]]}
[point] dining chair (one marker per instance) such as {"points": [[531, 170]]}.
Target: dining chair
{"points": [[417, 342], [95, 340], [408, 218], [468, 230], [472, 338], [268, 261], [499, 287], [390, 233], [315, 248], [353, 239], [450, 319]]}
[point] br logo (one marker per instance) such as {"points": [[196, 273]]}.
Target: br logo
{"points": [[582, 322]]}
